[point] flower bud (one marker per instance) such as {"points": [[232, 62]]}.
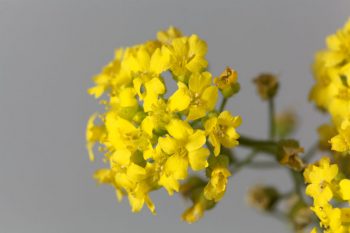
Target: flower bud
{"points": [[300, 214], [227, 82], [216, 187], [288, 154], [263, 198], [267, 85], [285, 123]]}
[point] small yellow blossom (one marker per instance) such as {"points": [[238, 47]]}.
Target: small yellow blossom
{"points": [[94, 133], [222, 130], [185, 147], [227, 82], [187, 56], [331, 91], [341, 142], [216, 187], [166, 37], [197, 98], [320, 178]]}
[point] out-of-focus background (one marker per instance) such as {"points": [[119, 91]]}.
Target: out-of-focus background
{"points": [[49, 50]]}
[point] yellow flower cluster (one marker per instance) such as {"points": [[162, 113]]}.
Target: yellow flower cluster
{"points": [[330, 191], [150, 138], [331, 91]]}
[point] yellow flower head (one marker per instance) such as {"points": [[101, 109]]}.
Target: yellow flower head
{"points": [[331, 91], [326, 184], [150, 141]]}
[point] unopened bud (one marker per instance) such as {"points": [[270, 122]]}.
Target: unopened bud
{"points": [[286, 123], [288, 154], [263, 198], [267, 85]]}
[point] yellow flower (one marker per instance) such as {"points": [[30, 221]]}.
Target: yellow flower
{"points": [[184, 147], [341, 142], [104, 176], [199, 206], [216, 187], [222, 130], [94, 133], [194, 213], [166, 37], [320, 178], [146, 69], [137, 182], [125, 139], [226, 78], [331, 91], [227, 82], [157, 119], [143, 135], [198, 97], [187, 56]]}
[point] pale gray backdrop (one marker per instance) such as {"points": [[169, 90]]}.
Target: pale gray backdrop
{"points": [[49, 50]]}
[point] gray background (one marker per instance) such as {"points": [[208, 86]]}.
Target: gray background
{"points": [[49, 50]]}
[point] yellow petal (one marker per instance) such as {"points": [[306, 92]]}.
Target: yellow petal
{"points": [[150, 205], [339, 144], [179, 129], [136, 172], [210, 96], [103, 176], [122, 157], [147, 125], [177, 166], [345, 189], [198, 159], [136, 203], [127, 97], [169, 183], [155, 85], [181, 99], [168, 145], [159, 61], [199, 81], [196, 140], [196, 112]]}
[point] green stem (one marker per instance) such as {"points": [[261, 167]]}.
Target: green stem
{"points": [[297, 183], [272, 122], [267, 146], [245, 162], [223, 104]]}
